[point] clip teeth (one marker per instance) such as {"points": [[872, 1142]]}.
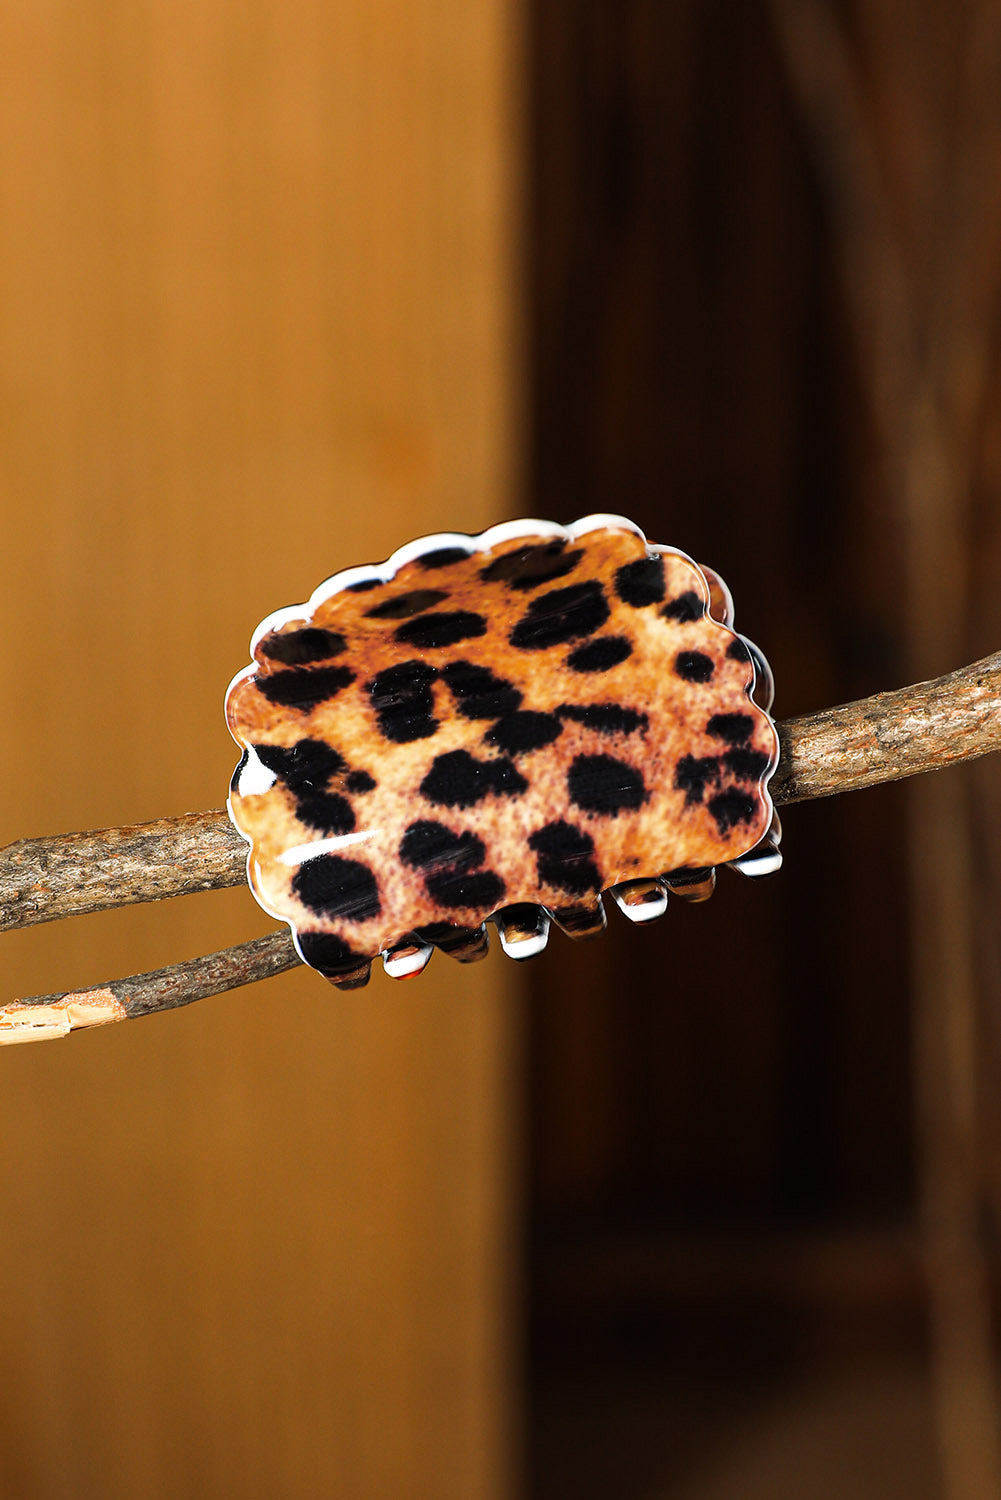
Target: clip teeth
{"points": [[764, 859], [351, 979], [691, 885], [408, 958], [523, 930], [641, 900], [584, 919], [465, 944]]}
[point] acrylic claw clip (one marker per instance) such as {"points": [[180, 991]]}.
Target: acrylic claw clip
{"points": [[499, 727]]}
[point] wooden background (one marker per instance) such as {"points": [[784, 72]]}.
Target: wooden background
{"points": [[281, 285], [256, 264], [766, 1157]]}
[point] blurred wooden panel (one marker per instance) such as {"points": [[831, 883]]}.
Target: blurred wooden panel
{"points": [[256, 324], [690, 367]]}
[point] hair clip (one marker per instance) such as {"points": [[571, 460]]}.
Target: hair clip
{"points": [[499, 727]]}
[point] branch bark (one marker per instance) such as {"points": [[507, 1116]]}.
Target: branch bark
{"points": [[45, 1016], [883, 738], [891, 735], [67, 875]]}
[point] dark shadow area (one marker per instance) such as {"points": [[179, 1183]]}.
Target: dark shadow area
{"points": [[721, 1141]]}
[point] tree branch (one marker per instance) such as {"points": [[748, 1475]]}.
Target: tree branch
{"points": [[891, 735], [882, 738], [46, 1016], [70, 874]]}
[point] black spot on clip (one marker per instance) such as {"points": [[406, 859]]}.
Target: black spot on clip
{"points": [[337, 887], [694, 666], [403, 606], [428, 846], [602, 784], [445, 629], [563, 855], [746, 764], [457, 779], [478, 693], [693, 774], [305, 765], [600, 655], [530, 567], [735, 729], [296, 648], [327, 812], [329, 954], [731, 807], [641, 582], [561, 615], [523, 731], [304, 688], [686, 607], [459, 888], [404, 706], [449, 861], [606, 718], [441, 557]]}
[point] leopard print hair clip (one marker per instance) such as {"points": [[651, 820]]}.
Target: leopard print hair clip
{"points": [[499, 727]]}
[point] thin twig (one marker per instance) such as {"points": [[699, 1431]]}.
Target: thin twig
{"points": [[883, 738], [45, 1016]]}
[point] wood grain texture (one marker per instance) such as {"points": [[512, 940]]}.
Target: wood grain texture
{"points": [[256, 271]]}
